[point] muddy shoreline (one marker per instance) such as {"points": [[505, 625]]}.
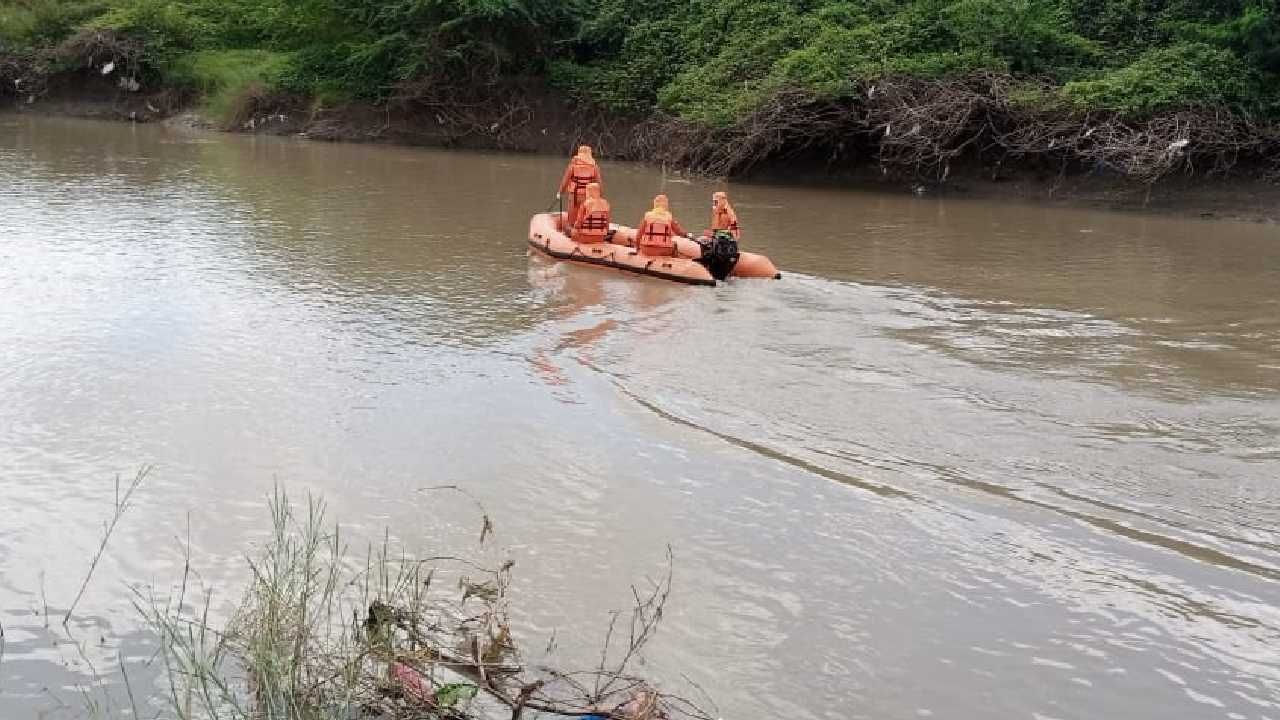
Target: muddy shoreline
{"points": [[542, 123]]}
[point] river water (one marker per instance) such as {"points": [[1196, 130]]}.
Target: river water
{"points": [[966, 460]]}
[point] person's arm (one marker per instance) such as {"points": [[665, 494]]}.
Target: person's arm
{"points": [[675, 227]]}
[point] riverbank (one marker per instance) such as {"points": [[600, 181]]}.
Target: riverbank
{"points": [[534, 120]]}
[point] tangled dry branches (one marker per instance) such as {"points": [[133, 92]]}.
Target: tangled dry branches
{"points": [[921, 127], [22, 74], [791, 123], [95, 49], [461, 110], [26, 74]]}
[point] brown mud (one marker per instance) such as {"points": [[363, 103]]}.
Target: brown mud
{"points": [[528, 117]]}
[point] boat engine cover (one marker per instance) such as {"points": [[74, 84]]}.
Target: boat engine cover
{"points": [[719, 254]]}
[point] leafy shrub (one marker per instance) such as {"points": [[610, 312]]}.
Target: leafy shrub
{"points": [[222, 75], [708, 61], [38, 23], [166, 29], [1185, 75]]}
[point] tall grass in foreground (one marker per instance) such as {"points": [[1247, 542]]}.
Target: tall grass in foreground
{"points": [[122, 500], [322, 634]]}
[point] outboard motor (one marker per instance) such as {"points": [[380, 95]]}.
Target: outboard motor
{"points": [[719, 254]]}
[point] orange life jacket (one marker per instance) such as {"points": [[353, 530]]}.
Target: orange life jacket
{"points": [[581, 174], [594, 220], [657, 231]]}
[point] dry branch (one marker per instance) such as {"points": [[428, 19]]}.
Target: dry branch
{"points": [[921, 128]]}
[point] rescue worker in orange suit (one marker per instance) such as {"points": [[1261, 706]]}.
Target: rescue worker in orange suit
{"points": [[591, 223], [658, 230], [582, 171], [723, 218]]}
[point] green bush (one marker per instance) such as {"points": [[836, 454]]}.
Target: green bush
{"points": [[708, 61], [1185, 75], [369, 46], [733, 55], [39, 23], [166, 28], [221, 75]]}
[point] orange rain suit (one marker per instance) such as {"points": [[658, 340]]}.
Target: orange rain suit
{"points": [[582, 171], [723, 217], [658, 230]]}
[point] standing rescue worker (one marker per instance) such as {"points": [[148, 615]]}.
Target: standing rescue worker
{"points": [[658, 230], [723, 218], [582, 171], [591, 223]]}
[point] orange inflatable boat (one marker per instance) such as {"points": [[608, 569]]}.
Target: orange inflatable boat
{"points": [[697, 262]]}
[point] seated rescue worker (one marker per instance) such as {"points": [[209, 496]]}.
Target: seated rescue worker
{"points": [[723, 218], [582, 171], [658, 230], [591, 223]]}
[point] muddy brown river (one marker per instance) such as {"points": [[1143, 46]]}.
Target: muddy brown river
{"points": [[966, 460]]}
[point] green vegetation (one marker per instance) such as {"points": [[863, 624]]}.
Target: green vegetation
{"points": [[222, 76], [706, 60], [709, 63], [323, 632], [711, 60]]}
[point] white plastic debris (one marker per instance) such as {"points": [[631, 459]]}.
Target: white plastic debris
{"points": [[106, 69]]}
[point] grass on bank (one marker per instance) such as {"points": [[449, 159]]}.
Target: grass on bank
{"points": [[224, 77]]}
